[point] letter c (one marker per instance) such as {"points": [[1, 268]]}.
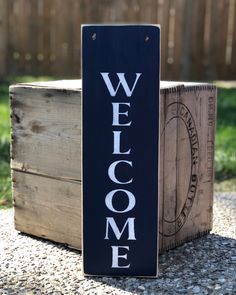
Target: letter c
{"points": [[111, 172]]}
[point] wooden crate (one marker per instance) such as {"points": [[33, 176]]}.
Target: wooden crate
{"points": [[46, 160]]}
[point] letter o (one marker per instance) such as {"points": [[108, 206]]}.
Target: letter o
{"points": [[109, 197]]}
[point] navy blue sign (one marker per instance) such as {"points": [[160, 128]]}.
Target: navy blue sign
{"points": [[120, 149]]}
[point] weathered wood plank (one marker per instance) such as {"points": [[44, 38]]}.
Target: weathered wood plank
{"points": [[195, 185], [170, 133], [233, 45], [179, 27], [217, 58], [163, 20], [161, 167], [3, 37], [46, 131], [197, 40], [48, 208]]}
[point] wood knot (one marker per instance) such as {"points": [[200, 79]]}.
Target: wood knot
{"points": [[36, 127]]}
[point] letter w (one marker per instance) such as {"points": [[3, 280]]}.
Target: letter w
{"points": [[122, 81], [117, 232]]}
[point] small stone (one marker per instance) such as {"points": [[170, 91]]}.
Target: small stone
{"points": [[233, 258], [141, 287], [196, 290], [217, 287]]}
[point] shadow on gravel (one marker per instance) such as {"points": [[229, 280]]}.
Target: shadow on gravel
{"points": [[204, 266]]}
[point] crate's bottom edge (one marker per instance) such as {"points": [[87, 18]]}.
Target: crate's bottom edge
{"points": [[78, 248], [185, 240], [47, 238]]}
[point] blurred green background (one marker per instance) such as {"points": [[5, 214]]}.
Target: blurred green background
{"points": [[225, 153]]}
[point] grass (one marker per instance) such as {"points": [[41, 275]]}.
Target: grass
{"points": [[228, 185], [225, 155], [5, 181]]}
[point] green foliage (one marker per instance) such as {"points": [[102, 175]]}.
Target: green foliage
{"points": [[225, 154], [5, 180]]}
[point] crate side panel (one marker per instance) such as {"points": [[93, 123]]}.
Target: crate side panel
{"points": [[46, 131], [195, 162], [47, 208], [169, 172], [161, 168]]}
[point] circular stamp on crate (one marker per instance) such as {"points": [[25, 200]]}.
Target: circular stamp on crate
{"points": [[180, 175]]}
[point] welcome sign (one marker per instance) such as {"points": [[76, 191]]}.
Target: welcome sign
{"points": [[120, 149]]}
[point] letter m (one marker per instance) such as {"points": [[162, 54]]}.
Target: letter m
{"points": [[122, 81], [129, 222]]}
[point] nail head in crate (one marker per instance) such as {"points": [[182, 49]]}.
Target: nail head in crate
{"points": [[46, 160]]}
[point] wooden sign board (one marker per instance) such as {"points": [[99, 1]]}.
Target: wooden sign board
{"points": [[120, 149]]}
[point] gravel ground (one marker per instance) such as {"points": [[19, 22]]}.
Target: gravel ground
{"points": [[204, 266]]}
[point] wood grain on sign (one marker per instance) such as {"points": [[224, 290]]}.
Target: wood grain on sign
{"points": [[46, 164], [120, 149]]}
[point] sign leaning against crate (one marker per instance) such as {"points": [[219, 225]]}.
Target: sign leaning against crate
{"points": [[120, 149]]}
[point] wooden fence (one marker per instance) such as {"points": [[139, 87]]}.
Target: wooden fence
{"points": [[42, 37]]}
